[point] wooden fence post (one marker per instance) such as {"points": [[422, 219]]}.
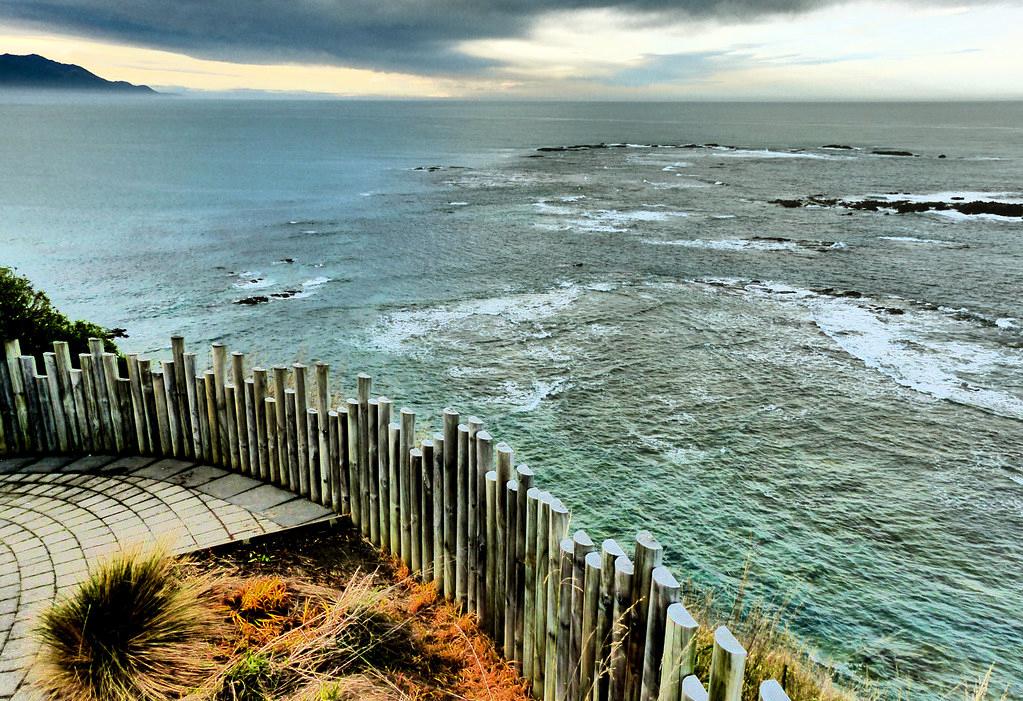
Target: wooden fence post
{"points": [[437, 533], [487, 617], [334, 450], [564, 669], [473, 512], [624, 572], [394, 487], [181, 390], [364, 387], [56, 402], [678, 659], [384, 470], [664, 591], [582, 546], [373, 476], [280, 374], [426, 509], [462, 519], [609, 552], [543, 534], [450, 454], [727, 666], [559, 518], [259, 383], [506, 565], [415, 523], [323, 411], [220, 435], [291, 439], [272, 440], [648, 556], [408, 430], [692, 689], [241, 413], [300, 374], [591, 601], [356, 488], [528, 583], [770, 690], [194, 435], [484, 463]]}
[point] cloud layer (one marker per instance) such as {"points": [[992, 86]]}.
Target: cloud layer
{"points": [[418, 36]]}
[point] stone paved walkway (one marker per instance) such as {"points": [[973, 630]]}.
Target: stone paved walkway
{"points": [[58, 515]]}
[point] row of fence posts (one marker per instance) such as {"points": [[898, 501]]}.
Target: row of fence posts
{"points": [[581, 621]]}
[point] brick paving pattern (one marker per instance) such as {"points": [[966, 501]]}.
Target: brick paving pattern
{"points": [[58, 515]]}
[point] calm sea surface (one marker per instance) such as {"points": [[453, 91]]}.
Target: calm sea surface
{"points": [[837, 394]]}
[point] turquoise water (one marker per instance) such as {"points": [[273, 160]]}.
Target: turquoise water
{"points": [[838, 392]]}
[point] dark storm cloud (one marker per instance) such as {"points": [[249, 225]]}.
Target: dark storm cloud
{"points": [[407, 35]]}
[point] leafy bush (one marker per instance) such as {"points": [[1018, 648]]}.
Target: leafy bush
{"points": [[29, 316], [132, 631]]}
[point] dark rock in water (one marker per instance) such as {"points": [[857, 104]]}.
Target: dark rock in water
{"points": [[577, 265], [287, 260], [958, 204], [941, 156], [258, 299], [842, 147], [850, 293], [894, 311], [535, 155], [285, 295], [892, 152], [789, 204]]}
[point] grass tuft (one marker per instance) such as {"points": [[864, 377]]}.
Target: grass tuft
{"points": [[133, 630]]}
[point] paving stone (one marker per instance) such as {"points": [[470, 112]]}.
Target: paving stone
{"points": [[296, 512], [261, 498], [13, 464], [130, 464], [89, 463], [50, 463], [162, 469], [197, 476], [228, 486]]}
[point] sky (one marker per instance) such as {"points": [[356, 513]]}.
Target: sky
{"points": [[538, 49]]}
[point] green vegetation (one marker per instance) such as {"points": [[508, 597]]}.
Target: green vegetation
{"points": [[29, 316], [134, 630]]}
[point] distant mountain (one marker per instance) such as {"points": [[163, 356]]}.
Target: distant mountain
{"points": [[37, 72]]}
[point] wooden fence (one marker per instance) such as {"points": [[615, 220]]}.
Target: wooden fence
{"points": [[580, 620]]}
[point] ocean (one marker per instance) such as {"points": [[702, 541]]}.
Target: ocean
{"points": [[830, 392]]}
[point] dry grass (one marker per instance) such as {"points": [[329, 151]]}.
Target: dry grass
{"points": [[133, 630]]}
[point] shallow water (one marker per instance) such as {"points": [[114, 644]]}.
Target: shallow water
{"points": [[840, 393]]}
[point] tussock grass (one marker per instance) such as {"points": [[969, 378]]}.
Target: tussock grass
{"points": [[134, 630]]}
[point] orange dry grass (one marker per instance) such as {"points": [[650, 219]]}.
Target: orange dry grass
{"points": [[462, 660], [260, 608]]}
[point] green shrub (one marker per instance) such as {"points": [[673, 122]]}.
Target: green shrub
{"points": [[132, 631], [29, 316]]}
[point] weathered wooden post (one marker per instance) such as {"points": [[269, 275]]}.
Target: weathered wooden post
{"points": [[609, 552], [272, 440], [231, 404], [300, 371], [212, 418], [220, 435], [364, 387], [678, 659], [582, 546], [359, 503], [770, 690], [312, 429], [192, 400], [590, 600], [12, 353], [344, 450], [162, 418], [334, 467], [649, 554], [426, 509], [524, 476], [280, 374], [408, 430], [291, 439], [99, 388], [462, 518], [624, 572], [206, 449], [437, 534], [664, 591], [487, 610], [240, 411], [543, 529], [249, 387], [484, 463], [565, 672], [56, 403], [323, 409], [181, 392], [372, 476], [506, 565], [727, 666], [473, 512], [394, 477], [505, 542], [384, 470], [259, 384], [81, 408], [415, 517], [528, 584], [559, 518], [692, 689], [450, 455], [110, 377]]}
